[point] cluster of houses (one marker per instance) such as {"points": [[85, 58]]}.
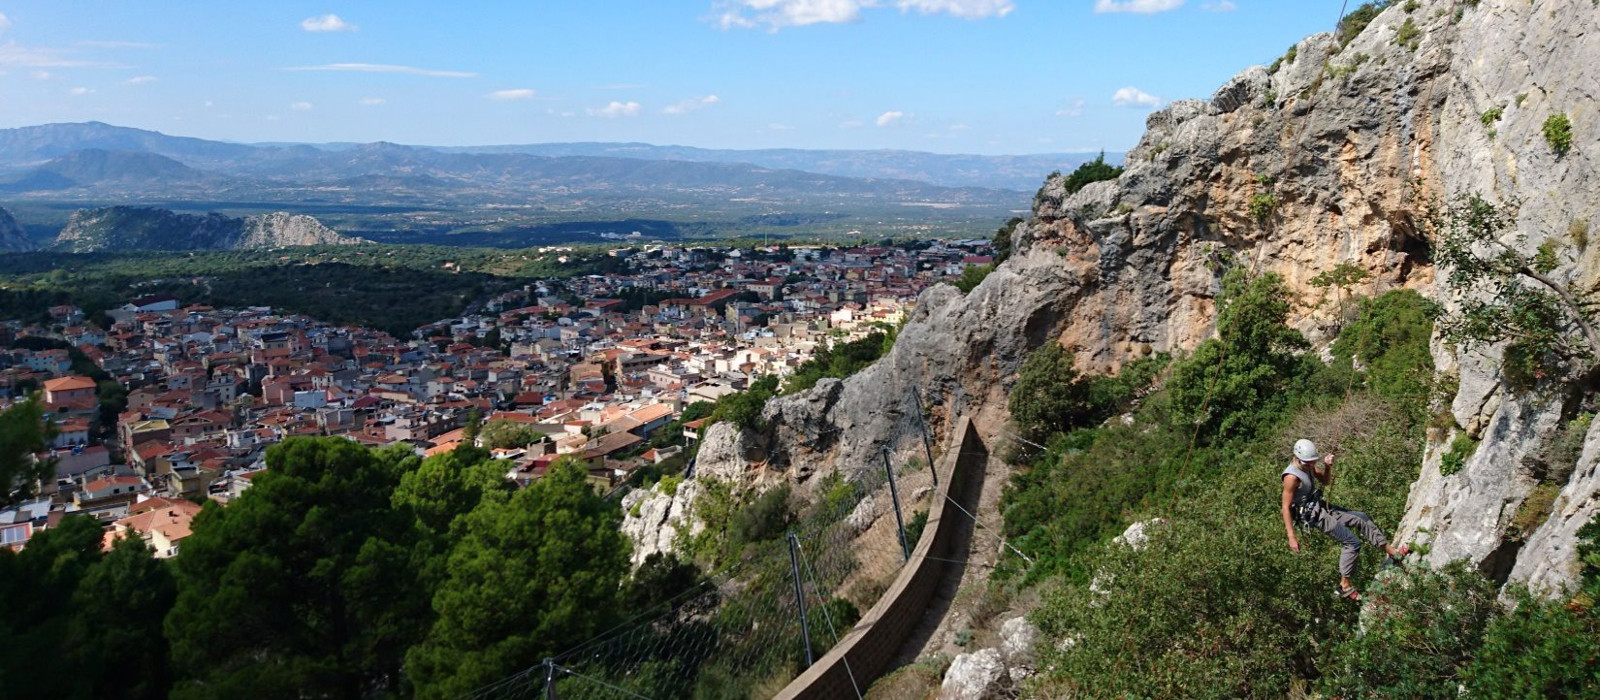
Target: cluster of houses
{"points": [[163, 405]]}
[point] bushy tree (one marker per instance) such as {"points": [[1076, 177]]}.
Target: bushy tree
{"points": [[22, 434], [1390, 337], [303, 585], [1506, 296], [1243, 378], [1049, 396], [972, 276], [532, 574], [117, 647], [1097, 170], [503, 434]]}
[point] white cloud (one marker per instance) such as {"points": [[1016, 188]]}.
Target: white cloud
{"points": [[13, 55], [326, 23], [1074, 108], [780, 127], [1219, 6], [300, 106], [616, 109], [776, 14], [511, 94], [891, 118], [81, 91], [385, 68], [773, 14], [140, 80], [41, 75], [691, 104], [373, 101], [4, 22], [118, 44], [1142, 7], [1134, 97], [965, 9]]}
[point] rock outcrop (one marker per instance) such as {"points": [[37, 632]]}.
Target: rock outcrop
{"points": [[1328, 158], [12, 237], [144, 228], [653, 519]]}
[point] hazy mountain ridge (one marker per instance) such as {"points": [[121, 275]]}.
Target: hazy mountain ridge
{"points": [[1014, 172], [146, 228]]}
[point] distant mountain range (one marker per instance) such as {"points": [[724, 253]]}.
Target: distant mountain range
{"points": [[38, 146], [517, 195]]}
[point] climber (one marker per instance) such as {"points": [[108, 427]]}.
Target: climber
{"points": [[1303, 504]]}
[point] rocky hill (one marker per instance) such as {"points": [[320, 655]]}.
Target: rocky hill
{"points": [[1327, 157], [141, 228], [12, 237]]}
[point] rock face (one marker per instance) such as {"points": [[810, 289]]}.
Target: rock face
{"points": [[142, 228], [1329, 159], [12, 237], [653, 519]]}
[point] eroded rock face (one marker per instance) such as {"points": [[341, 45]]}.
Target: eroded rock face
{"points": [[284, 229], [652, 520]]}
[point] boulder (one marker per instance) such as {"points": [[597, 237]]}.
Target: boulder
{"points": [[980, 675]]}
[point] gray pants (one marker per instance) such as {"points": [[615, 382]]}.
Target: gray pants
{"points": [[1338, 523]]}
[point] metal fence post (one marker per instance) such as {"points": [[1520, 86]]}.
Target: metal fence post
{"points": [[894, 494], [927, 444], [549, 679], [800, 595]]}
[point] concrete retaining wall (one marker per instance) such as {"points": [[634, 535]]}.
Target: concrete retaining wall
{"points": [[878, 638]]}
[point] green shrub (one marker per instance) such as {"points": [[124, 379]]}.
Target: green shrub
{"points": [[669, 484], [1532, 511], [840, 361], [919, 522], [1545, 648], [744, 408], [1002, 239], [1461, 450], [1491, 115], [1262, 206], [1390, 338], [1239, 381], [1408, 35], [763, 518], [1352, 25], [972, 276], [1097, 170], [1419, 633], [1558, 133]]}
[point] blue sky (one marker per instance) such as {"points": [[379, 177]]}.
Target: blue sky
{"points": [[968, 76]]}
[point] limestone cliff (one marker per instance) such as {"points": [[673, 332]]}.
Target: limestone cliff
{"points": [[12, 237], [142, 228], [1323, 159]]}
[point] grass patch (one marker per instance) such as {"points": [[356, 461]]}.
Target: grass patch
{"points": [[1461, 450]]}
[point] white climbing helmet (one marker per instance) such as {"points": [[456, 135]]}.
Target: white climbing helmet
{"points": [[1305, 450]]}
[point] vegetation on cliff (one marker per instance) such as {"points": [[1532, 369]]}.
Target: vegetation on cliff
{"points": [[1212, 603]]}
